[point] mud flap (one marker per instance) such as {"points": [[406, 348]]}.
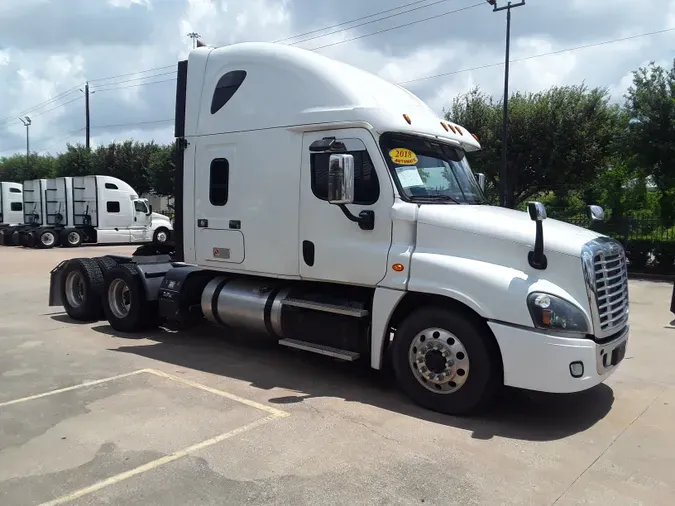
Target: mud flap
{"points": [[55, 284]]}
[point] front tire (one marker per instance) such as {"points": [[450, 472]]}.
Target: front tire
{"points": [[124, 303], [161, 235], [446, 362]]}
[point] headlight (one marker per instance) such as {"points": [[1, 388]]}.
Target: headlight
{"points": [[553, 313]]}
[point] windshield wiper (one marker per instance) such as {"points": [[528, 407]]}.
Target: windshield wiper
{"points": [[434, 198]]}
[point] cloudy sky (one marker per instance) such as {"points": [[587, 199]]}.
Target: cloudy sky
{"points": [[49, 48]]}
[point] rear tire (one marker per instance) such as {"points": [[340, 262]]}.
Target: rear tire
{"points": [[46, 238], [446, 362], [124, 302], [29, 239], [71, 238], [81, 288]]}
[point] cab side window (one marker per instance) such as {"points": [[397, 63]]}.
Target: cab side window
{"points": [[140, 206], [366, 184]]}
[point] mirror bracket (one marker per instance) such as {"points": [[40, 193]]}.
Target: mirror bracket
{"points": [[365, 219]]}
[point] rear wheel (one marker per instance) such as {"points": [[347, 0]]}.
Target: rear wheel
{"points": [[81, 289], [445, 362], [46, 239], [71, 238], [29, 239], [124, 302]]}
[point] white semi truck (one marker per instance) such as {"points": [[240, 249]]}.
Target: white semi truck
{"points": [[11, 204], [71, 211], [33, 212], [338, 214]]}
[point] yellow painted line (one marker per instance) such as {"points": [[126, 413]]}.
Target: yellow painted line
{"points": [[269, 409], [157, 463], [74, 387]]}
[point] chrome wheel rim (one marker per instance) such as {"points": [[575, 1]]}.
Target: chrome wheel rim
{"points": [[73, 238], [439, 361], [75, 289], [119, 297], [47, 239], [161, 236]]}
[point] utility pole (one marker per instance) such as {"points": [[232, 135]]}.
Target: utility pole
{"points": [[27, 122], [505, 188], [194, 36], [87, 128]]}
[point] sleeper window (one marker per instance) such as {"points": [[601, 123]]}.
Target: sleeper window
{"points": [[226, 88], [113, 206], [111, 186], [366, 184], [219, 182]]}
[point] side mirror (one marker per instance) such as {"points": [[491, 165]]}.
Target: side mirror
{"points": [[149, 210], [341, 179], [596, 213], [480, 179], [536, 210]]}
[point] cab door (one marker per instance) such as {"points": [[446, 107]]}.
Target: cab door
{"points": [[333, 248], [142, 222]]}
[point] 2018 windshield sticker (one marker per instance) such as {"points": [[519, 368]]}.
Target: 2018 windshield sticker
{"points": [[403, 156]]}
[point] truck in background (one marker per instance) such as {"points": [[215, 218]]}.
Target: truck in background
{"points": [[340, 216], [70, 211], [11, 204]]}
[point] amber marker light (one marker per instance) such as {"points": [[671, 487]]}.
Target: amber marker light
{"points": [[475, 137], [407, 118], [459, 130], [445, 127], [398, 267], [453, 129]]}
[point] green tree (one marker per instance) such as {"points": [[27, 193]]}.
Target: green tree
{"points": [[75, 161], [559, 139], [650, 103], [162, 170]]}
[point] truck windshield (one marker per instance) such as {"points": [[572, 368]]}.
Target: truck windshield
{"points": [[429, 171]]}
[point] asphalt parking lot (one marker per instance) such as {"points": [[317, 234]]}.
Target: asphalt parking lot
{"points": [[89, 417]]}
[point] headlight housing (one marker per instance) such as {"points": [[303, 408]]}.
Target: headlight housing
{"points": [[553, 313]]}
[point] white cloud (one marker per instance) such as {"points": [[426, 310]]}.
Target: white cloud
{"points": [[101, 39]]}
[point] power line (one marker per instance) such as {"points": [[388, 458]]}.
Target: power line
{"points": [[348, 22], [57, 107], [136, 85], [372, 21], [134, 124], [41, 104], [102, 86], [559, 51], [131, 73], [399, 26], [61, 139]]}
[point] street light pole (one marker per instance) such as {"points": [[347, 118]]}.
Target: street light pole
{"points": [[27, 122], [505, 188], [194, 36]]}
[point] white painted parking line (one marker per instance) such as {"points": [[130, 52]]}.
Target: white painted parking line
{"points": [[273, 414], [74, 387], [269, 409], [157, 463]]}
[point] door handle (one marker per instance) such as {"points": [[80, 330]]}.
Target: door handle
{"points": [[135, 219], [235, 224]]}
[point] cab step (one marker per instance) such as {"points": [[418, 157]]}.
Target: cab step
{"points": [[349, 356], [325, 307]]}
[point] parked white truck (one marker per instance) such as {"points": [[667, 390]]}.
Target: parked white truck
{"points": [[88, 209], [337, 213], [11, 204], [33, 212]]}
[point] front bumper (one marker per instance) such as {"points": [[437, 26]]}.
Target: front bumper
{"points": [[535, 360]]}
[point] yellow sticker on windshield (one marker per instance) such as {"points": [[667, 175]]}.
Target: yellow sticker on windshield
{"points": [[403, 156]]}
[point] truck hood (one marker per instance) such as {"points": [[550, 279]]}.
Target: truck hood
{"points": [[157, 216], [506, 225]]}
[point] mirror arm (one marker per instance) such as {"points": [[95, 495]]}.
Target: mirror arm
{"points": [[365, 219]]}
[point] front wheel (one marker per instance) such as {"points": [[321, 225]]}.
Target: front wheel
{"points": [[161, 235], [445, 362]]}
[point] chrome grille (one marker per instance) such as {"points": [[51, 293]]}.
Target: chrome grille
{"points": [[608, 285]]}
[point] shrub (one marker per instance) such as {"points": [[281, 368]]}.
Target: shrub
{"points": [[665, 256], [638, 253]]}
